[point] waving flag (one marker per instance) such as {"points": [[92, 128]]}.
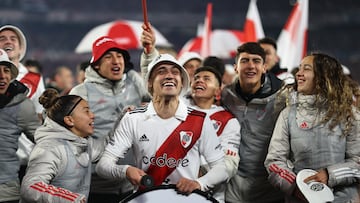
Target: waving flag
{"points": [[292, 42], [205, 44], [253, 27], [223, 43]]}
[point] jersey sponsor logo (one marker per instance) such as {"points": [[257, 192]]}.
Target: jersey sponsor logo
{"points": [[185, 138], [165, 161], [143, 138]]}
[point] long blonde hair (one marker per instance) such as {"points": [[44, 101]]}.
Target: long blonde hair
{"points": [[341, 93]]}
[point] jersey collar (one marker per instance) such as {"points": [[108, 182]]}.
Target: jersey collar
{"points": [[181, 112]]}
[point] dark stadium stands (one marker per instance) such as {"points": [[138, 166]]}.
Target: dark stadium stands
{"points": [[54, 28]]}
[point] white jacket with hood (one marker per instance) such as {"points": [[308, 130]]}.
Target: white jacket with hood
{"points": [[301, 141], [59, 168]]}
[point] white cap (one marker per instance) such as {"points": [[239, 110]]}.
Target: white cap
{"points": [[163, 58], [187, 56], [4, 60], [314, 192], [21, 37]]}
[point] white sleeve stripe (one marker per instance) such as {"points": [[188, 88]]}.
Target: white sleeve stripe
{"points": [[348, 176], [346, 169], [346, 172]]}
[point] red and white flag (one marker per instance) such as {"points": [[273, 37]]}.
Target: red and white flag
{"points": [[253, 27], [205, 44], [223, 43], [292, 42]]}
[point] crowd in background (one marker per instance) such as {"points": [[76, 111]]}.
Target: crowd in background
{"points": [[92, 129]]}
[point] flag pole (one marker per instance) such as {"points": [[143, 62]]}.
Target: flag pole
{"points": [[146, 22]]}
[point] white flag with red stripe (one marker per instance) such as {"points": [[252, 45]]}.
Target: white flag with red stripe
{"points": [[253, 27], [223, 43], [205, 44], [292, 42]]}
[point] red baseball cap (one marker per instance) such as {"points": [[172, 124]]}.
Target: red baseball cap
{"points": [[104, 44]]}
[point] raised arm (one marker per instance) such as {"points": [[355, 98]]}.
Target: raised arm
{"points": [[148, 40]]}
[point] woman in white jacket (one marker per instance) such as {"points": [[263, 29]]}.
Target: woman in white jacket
{"points": [[320, 131], [59, 168]]}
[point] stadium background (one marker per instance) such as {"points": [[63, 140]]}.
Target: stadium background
{"points": [[54, 28]]}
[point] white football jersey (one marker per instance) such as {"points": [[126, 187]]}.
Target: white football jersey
{"points": [[144, 131]]}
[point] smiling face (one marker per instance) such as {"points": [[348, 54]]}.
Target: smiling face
{"points": [[165, 80], [305, 77], [9, 41], [111, 65], [5, 78], [81, 120], [205, 86], [250, 68]]}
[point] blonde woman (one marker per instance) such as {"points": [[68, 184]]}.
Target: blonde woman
{"points": [[320, 131]]}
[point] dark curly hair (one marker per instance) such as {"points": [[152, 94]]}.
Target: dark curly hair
{"points": [[56, 106]]}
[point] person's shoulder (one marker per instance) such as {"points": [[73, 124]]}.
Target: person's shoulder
{"points": [[276, 83], [194, 112], [223, 111], [135, 78], [231, 88], [286, 110], [79, 89], [78, 86], [230, 93], [33, 75], [356, 113], [139, 110], [132, 74], [49, 148], [27, 103]]}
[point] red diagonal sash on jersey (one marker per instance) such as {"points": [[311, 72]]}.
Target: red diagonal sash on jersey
{"points": [[221, 118], [31, 81], [177, 145]]}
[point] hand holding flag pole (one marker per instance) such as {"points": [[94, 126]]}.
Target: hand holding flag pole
{"points": [[146, 22]]}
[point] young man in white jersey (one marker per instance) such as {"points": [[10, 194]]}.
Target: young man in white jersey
{"points": [[205, 92], [167, 137]]}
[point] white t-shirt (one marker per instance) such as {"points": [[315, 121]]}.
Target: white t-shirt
{"points": [[146, 131]]}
